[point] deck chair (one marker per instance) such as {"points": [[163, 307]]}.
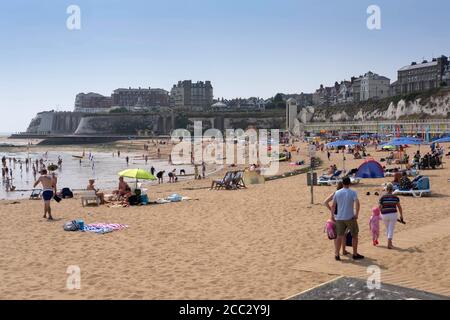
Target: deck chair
{"points": [[89, 196], [422, 187], [224, 182], [36, 194], [329, 179], [354, 180], [238, 180]]}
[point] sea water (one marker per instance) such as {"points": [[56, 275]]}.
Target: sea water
{"points": [[75, 174]]}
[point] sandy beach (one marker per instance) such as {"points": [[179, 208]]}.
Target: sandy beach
{"points": [[263, 242]]}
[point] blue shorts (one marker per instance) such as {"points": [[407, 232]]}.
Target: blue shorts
{"points": [[47, 195]]}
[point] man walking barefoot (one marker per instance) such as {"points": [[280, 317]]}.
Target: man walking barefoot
{"points": [[48, 186], [346, 202]]}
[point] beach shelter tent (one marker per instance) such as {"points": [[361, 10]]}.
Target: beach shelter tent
{"points": [[370, 169]]}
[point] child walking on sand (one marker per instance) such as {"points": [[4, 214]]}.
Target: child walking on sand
{"points": [[374, 225]]}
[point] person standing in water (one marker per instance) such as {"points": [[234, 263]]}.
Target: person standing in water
{"points": [[160, 176], [127, 159], [203, 170], [196, 174], [47, 185]]}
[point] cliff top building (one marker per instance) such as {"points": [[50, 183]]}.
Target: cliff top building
{"points": [[421, 76], [446, 77], [369, 86], [92, 103], [140, 98], [186, 95], [303, 99], [345, 93], [374, 86], [323, 96]]}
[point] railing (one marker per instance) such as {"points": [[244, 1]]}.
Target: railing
{"points": [[426, 125], [372, 122]]}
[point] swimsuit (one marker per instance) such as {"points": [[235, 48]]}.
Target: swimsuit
{"points": [[47, 195]]}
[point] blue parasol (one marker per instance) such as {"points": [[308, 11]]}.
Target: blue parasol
{"points": [[442, 140], [342, 143]]}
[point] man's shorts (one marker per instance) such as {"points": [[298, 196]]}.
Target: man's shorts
{"points": [[342, 225], [47, 195]]}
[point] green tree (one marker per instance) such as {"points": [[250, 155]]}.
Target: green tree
{"points": [[278, 98], [181, 121], [119, 110]]}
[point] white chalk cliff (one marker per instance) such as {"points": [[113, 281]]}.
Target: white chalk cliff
{"points": [[437, 106]]}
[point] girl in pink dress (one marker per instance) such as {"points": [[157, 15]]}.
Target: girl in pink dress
{"points": [[374, 225]]}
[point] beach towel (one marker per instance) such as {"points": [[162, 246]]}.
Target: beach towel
{"points": [[174, 198], [162, 201], [103, 228]]}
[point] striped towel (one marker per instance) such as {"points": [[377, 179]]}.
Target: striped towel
{"points": [[103, 228]]}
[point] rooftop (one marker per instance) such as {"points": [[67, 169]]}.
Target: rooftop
{"points": [[419, 65], [219, 105]]}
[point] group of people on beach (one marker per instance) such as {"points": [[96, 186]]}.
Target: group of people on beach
{"points": [[10, 163], [344, 207]]}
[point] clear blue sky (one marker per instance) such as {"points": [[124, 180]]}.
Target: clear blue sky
{"points": [[245, 47]]}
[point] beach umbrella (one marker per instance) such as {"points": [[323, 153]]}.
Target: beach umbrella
{"points": [[342, 143], [387, 147], [138, 174], [404, 141], [442, 140]]}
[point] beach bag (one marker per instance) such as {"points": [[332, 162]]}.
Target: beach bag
{"points": [[348, 239], [330, 229], [71, 226], [57, 198], [133, 200], [144, 199], [66, 193], [80, 224]]}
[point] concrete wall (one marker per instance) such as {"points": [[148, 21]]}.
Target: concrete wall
{"points": [[244, 122], [54, 123], [125, 124], [133, 124]]}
